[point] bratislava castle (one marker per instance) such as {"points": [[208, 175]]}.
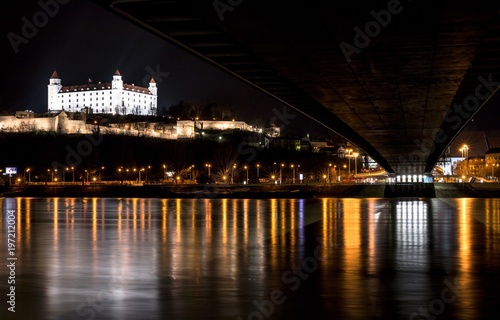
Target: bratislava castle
{"points": [[115, 97]]}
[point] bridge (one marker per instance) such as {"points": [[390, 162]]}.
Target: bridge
{"points": [[398, 78]]}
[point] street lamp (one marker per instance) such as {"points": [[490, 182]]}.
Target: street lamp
{"points": [[28, 170], [164, 172], [246, 168], [208, 166], [493, 170], [73, 169], [120, 170], [293, 173], [465, 156], [142, 169], [281, 177], [191, 172], [349, 157], [258, 166], [355, 155], [328, 173], [232, 173]]}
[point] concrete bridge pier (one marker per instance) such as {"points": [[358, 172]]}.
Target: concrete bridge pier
{"points": [[410, 185]]}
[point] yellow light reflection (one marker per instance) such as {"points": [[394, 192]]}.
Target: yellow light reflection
{"points": [[164, 220], [492, 221], [224, 223], [274, 223], [464, 234], [55, 202]]}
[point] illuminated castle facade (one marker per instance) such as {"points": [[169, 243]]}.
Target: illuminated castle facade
{"points": [[115, 97]]}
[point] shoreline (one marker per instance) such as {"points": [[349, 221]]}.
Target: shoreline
{"points": [[219, 191]]}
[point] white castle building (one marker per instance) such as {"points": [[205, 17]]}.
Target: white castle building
{"points": [[115, 97]]}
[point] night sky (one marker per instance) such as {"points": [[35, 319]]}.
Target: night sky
{"points": [[83, 41]]}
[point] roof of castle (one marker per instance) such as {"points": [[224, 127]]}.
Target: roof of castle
{"points": [[103, 86]]}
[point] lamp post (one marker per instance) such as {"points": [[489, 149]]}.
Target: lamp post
{"points": [[281, 176], [121, 175], [298, 172], [232, 173], [208, 166], [73, 170], [142, 169], [465, 156], [349, 157], [492, 170], [258, 166], [355, 155], [28, 170], [293, 173], [246, 168], [328, 173], [164, 172]]}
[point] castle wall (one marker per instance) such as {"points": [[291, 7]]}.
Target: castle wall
{"points": [[13, 124]]}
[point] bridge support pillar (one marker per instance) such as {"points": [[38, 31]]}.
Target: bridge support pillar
{"points": [[410, 185]]}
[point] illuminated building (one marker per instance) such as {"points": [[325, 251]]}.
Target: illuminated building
{"points": [[115, 97]]}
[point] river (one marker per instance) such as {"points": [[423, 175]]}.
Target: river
{"points": [[326, 258]]}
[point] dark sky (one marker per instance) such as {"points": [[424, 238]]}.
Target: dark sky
{"points": [[84, 41]]}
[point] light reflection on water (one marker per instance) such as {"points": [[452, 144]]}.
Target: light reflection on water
{"points": [[109, 258]]}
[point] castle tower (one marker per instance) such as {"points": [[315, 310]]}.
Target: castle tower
{"points": [[117, 94], [152, 87], [117, 80], [53, 88]]}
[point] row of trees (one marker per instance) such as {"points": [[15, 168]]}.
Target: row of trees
{"points": [[202, 110]]}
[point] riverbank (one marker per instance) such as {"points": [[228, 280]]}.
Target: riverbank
{"points": [[214, 191]]}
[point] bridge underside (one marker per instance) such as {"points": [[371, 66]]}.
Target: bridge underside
{"points": [[398, 79]]}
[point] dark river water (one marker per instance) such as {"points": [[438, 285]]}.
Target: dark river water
{"points": [[104, 258]]}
